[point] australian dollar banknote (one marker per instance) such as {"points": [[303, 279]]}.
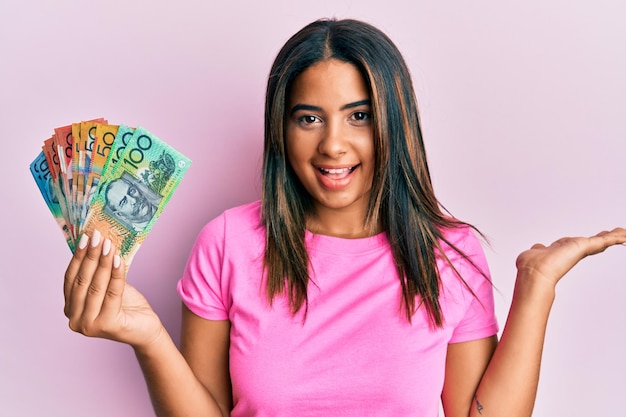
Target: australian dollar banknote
{"points": [[133, 191]]}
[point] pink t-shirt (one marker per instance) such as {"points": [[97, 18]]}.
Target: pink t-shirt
{"points": [[355, 354]]}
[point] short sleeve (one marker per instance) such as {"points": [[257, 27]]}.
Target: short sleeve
{"points": [[201, 287], [479, 319]]}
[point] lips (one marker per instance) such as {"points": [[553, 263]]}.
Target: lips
{"points": [[336, 178]]}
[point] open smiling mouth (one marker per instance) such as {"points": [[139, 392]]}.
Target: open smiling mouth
{"points": [[337, 173]]}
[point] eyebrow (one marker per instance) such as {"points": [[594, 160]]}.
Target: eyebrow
{"points": [[298, 107]]}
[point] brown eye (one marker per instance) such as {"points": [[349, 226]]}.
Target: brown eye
{"points": [[308, 119], [360, 116]]}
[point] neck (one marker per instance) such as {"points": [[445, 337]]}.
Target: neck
{"points": [[346, 224]]}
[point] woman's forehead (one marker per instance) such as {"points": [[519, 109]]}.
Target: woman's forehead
{"points": [[329, 83]]}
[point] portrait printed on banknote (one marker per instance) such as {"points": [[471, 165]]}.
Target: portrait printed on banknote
{"points": [[130, 201]]}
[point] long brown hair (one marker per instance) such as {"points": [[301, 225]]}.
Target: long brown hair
{"points": [[402, 199]]}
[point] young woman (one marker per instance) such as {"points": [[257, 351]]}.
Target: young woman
{"points": [[346, 290]]}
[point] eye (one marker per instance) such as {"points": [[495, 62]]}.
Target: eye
{"points": [[360, 116], [308, 119], [132, 191]]}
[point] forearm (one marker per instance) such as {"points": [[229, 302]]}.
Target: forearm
{"points": [[174, 389], [509, 385]]}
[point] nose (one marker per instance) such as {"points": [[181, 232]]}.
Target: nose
{"points": [[333, 142]]}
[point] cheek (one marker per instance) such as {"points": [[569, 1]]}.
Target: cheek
{"points": [[288, 144], [290, 159], [295, 155], [371, 163], [368, 152], [297, 167]]}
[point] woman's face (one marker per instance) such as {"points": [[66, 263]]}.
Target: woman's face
{"points": [[329, 136]]}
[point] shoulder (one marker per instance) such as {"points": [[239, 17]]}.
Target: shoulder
{"points": [[250, 211], [467, 291], [461, 238], [227, 250], [462, 248], [235, 221], [234, 237]]}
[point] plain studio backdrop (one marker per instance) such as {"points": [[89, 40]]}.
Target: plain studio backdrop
{"points": [[523, 110]]}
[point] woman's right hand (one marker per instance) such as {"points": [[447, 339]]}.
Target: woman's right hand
{"points": [[98, 300]]}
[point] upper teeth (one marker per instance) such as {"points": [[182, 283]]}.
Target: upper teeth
{"points": [[335, 170]]}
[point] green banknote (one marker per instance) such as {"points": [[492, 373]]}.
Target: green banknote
{"points": [[122, 138], [134, 190]]}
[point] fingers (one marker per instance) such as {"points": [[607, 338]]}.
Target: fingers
{"points": [[112, 297], [605, 239], [601, 240], [617, 235], [92, 270], [82, 278], [72, 269], [578, 247], [97, 290]]}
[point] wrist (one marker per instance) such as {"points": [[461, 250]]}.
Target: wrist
{"points": [[151, 345], [534, 286]]}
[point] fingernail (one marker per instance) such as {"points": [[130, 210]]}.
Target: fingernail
{"points": [[82, 243], [106, 247], [95, 239], [116, 261]]}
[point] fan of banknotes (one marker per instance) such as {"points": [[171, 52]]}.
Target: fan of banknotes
{"points": [[114, 178]]}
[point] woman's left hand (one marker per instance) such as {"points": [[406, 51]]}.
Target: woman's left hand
{"points": [[551, 263]]}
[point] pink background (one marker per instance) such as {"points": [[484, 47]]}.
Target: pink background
{"points": [[523, 111]]}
